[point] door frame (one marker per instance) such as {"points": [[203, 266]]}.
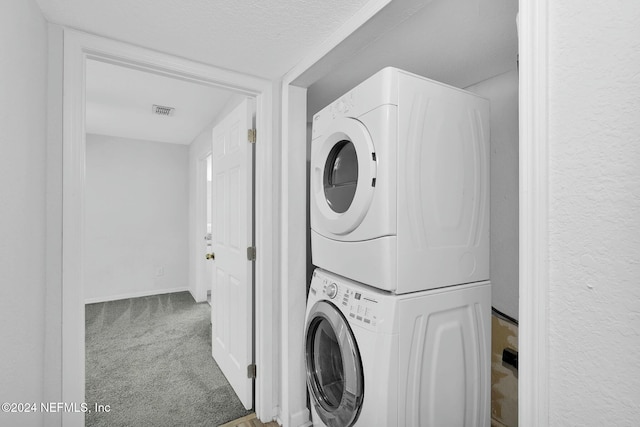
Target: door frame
{"points": [[77, 48], [533, 329], [533, 384]]}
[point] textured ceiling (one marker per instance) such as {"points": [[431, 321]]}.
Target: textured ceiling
{"points": [[458, 42], [119, 103], [259, 37]]}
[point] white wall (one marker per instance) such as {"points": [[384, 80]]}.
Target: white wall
{"points": [[23, 91], [198, 149], [502, 91], [136, 218], [594, 217]]}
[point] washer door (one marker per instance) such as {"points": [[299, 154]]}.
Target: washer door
{"points": [[334, 369], [343, 176]]}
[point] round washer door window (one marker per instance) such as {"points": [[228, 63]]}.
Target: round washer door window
{"points": [[334, 368], [343, 176]]}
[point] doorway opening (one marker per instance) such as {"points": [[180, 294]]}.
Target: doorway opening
{"points": [[79, 48], [138, 237], [203, 222]]}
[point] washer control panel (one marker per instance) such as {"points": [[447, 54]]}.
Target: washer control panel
{"points": [[358, 305]]}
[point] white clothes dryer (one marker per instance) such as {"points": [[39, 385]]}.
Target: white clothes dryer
{"points": [[378, 359], [400, 184]]}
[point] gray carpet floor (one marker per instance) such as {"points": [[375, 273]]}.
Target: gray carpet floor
{"points": [[150, 360]]}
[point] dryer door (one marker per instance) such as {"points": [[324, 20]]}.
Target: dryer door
{"points": [[334, 369], [343, 173]]}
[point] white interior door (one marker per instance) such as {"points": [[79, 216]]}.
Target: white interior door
{"points": [[232, 223]]}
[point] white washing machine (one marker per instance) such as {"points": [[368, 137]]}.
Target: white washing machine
{"points": [[379, 359], [400, 184]]}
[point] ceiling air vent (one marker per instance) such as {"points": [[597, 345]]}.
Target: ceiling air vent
{"points": [[161, 110]]}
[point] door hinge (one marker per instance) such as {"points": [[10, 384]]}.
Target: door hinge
{"points": [[251, 371], [251, 253], [251, 135]]}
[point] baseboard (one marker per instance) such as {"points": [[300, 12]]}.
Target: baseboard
{"points": [[198, 296], [136, 295], [301, 418]]}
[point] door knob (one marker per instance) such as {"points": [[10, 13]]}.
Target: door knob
{"points": [[210, 256]]}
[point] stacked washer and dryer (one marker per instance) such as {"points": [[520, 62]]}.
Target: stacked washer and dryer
{"points": [[398, 314]]}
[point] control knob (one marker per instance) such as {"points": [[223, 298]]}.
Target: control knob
{"points": [[332, 290]]}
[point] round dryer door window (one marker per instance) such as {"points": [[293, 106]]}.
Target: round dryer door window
{"points": [[334, 368], [343, 176]]}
